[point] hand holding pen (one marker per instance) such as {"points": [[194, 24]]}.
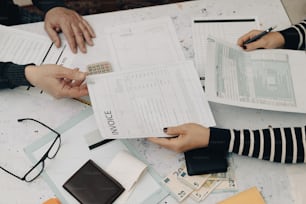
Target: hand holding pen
{"points": [[256, 39], [260, 35]]}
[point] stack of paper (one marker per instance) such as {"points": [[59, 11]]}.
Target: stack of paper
{"points": [[152, 85]]}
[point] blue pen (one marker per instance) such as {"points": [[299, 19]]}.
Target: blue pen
{"points": [[260, 35]]}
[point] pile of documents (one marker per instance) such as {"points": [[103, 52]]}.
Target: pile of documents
{"points": [[151, 85]]}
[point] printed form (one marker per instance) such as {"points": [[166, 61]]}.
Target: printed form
{"points": [[265, 79], [22, 47], [134, 45], [228, 29], [140, 103], [143, 43]]}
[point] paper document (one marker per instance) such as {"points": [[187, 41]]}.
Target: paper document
{"points": [[140, 103], [265, 79], [143, 43], [22, 47], [134, 46], [228, 29]]}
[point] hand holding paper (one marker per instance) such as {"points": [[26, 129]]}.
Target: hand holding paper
{"points": [[140, 103]]}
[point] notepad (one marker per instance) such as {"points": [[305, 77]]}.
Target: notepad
{"points": [[250, 196]]}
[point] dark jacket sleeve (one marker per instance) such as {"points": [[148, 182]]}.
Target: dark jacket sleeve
{"points": [[12, 75], [46, 5], [295, 36], [285, 145], [9, 13]]}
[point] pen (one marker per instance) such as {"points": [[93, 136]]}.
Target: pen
{"points": [[91, 147], [83, 101], [260, 35]]}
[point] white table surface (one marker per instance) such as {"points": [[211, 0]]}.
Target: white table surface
{"points": [[279, 183]]}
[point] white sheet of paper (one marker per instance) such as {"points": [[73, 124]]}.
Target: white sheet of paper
{"points": [[22, 47], [226, 28], [264, 79], [143, 43], [126, 169], [140, 103]]}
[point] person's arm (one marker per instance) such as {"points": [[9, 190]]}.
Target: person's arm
{"points": [[285, 145], [56, 80], [9, 13], [46, 5], [295, 36], [290, 38], [12, 75]]}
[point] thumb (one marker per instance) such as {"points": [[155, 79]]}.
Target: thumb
{"points": [[70, 74], [175, 131]]}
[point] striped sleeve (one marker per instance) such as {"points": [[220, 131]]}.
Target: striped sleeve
{"points": [[295, 36], [284, 145]]}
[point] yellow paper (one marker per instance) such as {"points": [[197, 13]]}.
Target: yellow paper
{"points": [[250, 196]]}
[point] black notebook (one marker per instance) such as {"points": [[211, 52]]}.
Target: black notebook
{"points": [[202, 161], [92, 185]]}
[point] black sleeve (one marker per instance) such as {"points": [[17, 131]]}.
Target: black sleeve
{"points": [[295, 36], [285, 145], [12, 75], [9, 13], [46, 5]]}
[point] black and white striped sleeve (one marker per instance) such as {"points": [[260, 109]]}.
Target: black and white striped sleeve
{"points": [[295, 36], [285, 145]]}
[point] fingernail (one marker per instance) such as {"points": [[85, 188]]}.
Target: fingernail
{"points": [[165, 130]]}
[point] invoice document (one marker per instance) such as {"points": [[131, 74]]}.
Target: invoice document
{"points": [[226, 28], [272, 79], [22, 47], [140, 103]]}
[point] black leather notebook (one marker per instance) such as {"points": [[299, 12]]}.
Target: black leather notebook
{"points": [[202, 161], [92, 185]]}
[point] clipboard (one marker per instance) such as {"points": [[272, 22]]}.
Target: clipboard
{"points": [[74, 151]]}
